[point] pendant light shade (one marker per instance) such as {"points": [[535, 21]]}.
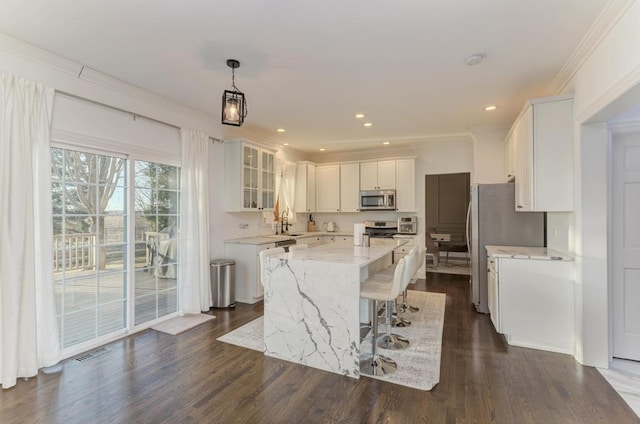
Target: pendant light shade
{"points": [[234, 104]]}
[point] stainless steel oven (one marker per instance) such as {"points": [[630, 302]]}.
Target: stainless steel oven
{"points": [[377, 200], [380, 229]]}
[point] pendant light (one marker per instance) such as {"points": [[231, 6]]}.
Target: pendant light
{"points": [[234, 104]]}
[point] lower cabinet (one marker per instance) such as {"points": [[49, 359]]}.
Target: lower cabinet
{"points": [[402, 251], [309, 241], [247, 256], [532, 302]]}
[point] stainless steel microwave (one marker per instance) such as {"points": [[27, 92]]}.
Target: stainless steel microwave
{"points": [[377, 200]]}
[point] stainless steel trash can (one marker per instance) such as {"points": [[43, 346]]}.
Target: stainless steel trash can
{"points": [[223, 283]]}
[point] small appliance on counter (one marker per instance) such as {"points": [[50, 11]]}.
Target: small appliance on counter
{"points": [[408, 225], [358, 232], [330, 227]]}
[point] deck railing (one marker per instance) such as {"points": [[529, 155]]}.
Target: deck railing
{"points": [[74, 251]]}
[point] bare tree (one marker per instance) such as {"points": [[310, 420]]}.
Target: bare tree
{"points": [[88, 183]]}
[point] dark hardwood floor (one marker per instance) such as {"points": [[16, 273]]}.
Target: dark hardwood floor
{"points": [[152, 377]]}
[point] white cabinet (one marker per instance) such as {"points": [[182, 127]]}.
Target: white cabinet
{"points": [[532, 302], [247, 256], [305, 187], [380, 175], [349, 187], [402, 251], [310, 240], [406, 185], [326, 239], [249, 177], [328, 188], [543, 137]]}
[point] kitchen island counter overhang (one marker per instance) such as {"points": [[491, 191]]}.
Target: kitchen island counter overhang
{"points": [[312, 303]]}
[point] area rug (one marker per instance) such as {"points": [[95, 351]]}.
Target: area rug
{"points": [[453, 267], [418, 366], [177, 325]]}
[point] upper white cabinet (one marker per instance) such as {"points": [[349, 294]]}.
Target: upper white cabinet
{"points": [[380, 175], [249, 177], [543, 136], [406, 185], [328, 188], [305, 187], [349, 187]]}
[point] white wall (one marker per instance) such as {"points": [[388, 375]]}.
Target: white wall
{"points": [[611, 70]]}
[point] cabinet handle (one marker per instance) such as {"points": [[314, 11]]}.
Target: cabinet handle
{"points": [[519, 207]]}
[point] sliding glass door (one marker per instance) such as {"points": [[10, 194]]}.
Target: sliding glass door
{"points": [[94, 235], [90, 244]]}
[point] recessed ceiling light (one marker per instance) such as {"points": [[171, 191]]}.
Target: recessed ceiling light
{"points": [[490, 108], [368, 124], [473, 59], [385, 142], [322, 150], [360, 115], [285, 144], [281, 130]]}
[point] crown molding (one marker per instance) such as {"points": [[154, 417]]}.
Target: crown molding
{"points": [[607, 19], [43, 57]]}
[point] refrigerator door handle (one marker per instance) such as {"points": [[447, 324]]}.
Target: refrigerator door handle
{"points": [[468, 229]]}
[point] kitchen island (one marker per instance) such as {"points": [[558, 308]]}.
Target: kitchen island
{"points": [[312, 303]]}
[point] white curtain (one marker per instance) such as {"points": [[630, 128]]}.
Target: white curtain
{"points": [[28, 323], [195, 288], [288, 189]]}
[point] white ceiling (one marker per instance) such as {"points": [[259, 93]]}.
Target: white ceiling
{"points": [[309, 67]]}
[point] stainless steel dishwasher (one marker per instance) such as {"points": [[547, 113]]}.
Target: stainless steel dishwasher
{"points": [[285, 243]]}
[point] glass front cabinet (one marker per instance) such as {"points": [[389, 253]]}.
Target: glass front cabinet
{"points": [[250, 177]]}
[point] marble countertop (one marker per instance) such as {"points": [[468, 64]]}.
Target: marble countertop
{"points": [[523, 252], [344, 252], [272, 238]]}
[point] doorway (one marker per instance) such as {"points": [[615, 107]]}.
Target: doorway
{"points": [[626, 246], [447, 199]]}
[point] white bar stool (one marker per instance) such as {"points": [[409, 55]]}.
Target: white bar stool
{"points": [[379, 288]]}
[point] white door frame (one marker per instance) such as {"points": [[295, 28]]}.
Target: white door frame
{"points": [[615, 129]]}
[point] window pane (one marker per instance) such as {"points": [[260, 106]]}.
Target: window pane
{"points": [[90, 245], [157, 231]]}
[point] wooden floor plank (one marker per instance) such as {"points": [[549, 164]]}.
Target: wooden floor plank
{"points": [[153, 377]]}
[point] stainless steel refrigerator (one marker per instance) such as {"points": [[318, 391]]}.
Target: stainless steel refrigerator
{"points": [[492, 220]]}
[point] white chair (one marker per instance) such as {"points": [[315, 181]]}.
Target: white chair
{"points": [[379, 288], [263, 256], [395, 341], [295, 247], [404, 307], [398, 321]]}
